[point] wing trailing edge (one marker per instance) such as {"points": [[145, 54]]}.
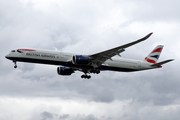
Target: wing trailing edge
{"points": [[98, 58]]}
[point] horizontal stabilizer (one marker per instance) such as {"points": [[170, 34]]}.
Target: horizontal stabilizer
{"points": [[163, 62]]}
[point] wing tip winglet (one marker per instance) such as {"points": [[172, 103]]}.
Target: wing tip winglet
{"points": [[171, 59], [149, 34]]}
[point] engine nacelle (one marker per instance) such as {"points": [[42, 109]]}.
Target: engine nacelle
{"points": [[64, 71], [81, 60]]}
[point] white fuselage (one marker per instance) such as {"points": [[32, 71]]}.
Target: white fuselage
{"points": [[65, 59]]}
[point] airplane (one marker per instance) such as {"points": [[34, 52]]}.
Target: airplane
{"points": [[95, 63]]}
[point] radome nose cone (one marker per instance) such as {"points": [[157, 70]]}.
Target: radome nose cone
{"points": [[7, 56]]}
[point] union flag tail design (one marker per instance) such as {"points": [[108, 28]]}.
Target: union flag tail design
{"points": [[154, 55]]}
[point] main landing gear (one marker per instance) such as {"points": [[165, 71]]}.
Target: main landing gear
{"points": [[95, 71], [86, 76], [15, 65]]}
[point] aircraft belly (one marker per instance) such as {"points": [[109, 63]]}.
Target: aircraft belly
{"points": [[122, 64], [119, 69]]}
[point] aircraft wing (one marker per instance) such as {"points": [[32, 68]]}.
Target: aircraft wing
{"points": [[99, 58]]}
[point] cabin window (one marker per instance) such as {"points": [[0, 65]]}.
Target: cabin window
{"points": [[13, 51]]}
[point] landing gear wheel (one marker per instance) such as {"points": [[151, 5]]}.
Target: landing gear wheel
{"points": [[15, 66], [82, 76], [86, 76], [97, 71]]}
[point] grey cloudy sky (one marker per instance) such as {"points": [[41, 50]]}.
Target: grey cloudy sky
{"points": [[36, 92]]}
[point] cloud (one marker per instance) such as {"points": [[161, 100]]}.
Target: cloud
{"points": [[47, 115], [64, 116], [50, 116]]}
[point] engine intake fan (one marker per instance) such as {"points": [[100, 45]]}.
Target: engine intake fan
{"points": [[64, 71], [81, 60]]}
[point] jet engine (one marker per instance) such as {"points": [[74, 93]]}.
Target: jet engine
{"points": [[64, 71], [81, 60]]}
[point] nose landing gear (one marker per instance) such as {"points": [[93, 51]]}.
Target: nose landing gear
{"points": [[15, 65]]}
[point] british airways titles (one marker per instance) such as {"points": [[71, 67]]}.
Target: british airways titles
{"points": [[40, 55]]}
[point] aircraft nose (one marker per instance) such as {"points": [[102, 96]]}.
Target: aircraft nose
{"points": [[7, 56]]}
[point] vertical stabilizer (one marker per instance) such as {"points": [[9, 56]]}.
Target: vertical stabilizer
{"points": [[154, 55]]}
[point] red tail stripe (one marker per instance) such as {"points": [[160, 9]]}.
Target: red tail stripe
{"points": [[157, 50], [150, 61]]}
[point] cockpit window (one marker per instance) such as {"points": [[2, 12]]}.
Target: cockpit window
{"points": [[13, 51]]}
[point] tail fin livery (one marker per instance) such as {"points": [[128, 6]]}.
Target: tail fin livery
{"points": [[154, 55]]}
